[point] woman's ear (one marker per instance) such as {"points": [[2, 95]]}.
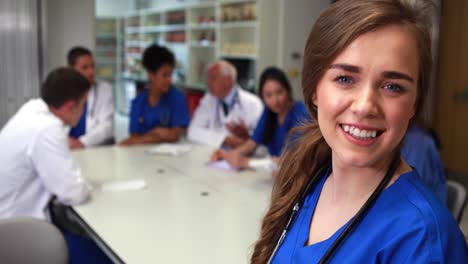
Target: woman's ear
{"points": [[314, 99]]}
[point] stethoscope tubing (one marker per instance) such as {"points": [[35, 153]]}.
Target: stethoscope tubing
{"points": [[354, 221]]}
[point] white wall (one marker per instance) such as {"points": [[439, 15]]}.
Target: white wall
{"points": [[297, 18], [19, 54], [106, 8], [69, 23]]}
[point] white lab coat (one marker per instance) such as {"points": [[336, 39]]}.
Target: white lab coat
{"points": [[208, 123], [37, 163], [100, 115]]}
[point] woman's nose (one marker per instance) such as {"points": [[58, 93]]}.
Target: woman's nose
{"points": [[366, 102]]}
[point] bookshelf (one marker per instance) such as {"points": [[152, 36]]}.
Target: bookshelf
{"points": [[199, 32]]}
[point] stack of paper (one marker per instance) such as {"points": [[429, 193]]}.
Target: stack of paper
{"points": [[170, 149]]}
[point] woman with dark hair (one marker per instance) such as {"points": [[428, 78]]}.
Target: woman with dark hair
{"points": [[343, 194], [281, 114], [160, 113]]}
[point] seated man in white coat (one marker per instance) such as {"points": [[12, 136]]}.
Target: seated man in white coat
{"points": [[36, 159], [96, 126], [227, 115]]}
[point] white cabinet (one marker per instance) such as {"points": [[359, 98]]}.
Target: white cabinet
{"points": [[106, 51], [109, 54]]}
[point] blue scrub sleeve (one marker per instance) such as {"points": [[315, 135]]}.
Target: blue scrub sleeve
{"points": [[180, 116], [259, 131], [420, 152], [80, 128], [134, 116], [301, 114]]}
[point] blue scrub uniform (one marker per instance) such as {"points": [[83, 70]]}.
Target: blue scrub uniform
{"points": [[80, 128], [420, 152], [297, 115], [407, 224], [171, 111]]}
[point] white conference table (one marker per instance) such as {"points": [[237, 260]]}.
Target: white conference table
{"points": [[187, 213]]}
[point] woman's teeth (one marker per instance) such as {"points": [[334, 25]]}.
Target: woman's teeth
{"points": [[359, 133]]}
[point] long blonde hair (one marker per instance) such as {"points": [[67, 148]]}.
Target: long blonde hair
{"points": [[333, 31]]}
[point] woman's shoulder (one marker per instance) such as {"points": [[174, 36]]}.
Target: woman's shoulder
{"points": [[176, 92], [298, 113], [419, 201], [417, 214], [299, 107], [247, 97], [175, 96]]}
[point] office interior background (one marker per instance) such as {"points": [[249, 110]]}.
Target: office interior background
{"points": [[35, 36]]}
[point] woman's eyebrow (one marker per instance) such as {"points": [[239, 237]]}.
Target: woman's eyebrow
{"points": [[385, 74], [397, 75], [346, 67]]}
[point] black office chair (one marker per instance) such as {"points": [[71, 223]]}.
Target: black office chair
{"points": [[456, 198], [29, 240]]}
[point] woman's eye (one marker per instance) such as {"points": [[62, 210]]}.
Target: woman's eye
{"points": [[393, 87], [343, 79]]}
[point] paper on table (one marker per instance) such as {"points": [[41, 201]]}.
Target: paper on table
{"points": [[223, 165], [170, 149], [123, 185], [264, 164]]}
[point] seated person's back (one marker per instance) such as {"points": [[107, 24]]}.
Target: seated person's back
{"points": [[420, 151], [36, 159]]}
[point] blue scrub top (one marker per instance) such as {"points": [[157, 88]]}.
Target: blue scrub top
{"points": [[420, 152], [407, 224], [297, 115], [171, 111], [80, 128]]}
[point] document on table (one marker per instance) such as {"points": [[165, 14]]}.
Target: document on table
{"points": [[169, 149], [123, 185], [223, 165]]}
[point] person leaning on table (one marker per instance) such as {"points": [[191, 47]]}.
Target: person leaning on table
{"points": [[159, 113], [227, 114], [280, 115], [36, 161], [343, 193]]}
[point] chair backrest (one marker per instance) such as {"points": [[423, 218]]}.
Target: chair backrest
{"points": [[193, 98], [456, 198], [29, 240]]}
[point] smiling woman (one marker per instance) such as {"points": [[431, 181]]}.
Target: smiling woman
{"points": [[372, 92], [343, 191]]}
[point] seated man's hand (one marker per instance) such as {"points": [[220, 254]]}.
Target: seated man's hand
{"points": [[233, 141], [74, 143], [239, 129]]}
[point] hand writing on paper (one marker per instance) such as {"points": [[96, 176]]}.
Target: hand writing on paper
{"points": [[217, 155], [236, 159]]}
